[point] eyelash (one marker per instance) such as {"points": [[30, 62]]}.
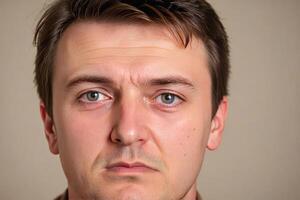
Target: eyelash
{"points": [[177, 98]]}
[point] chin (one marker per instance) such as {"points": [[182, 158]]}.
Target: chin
{"points": [[132, 192], [131, 195], [124, 195]]}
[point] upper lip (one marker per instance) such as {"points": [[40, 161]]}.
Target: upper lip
{"points": [[128, 165]]}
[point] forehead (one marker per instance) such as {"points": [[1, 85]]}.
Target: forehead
{"points": [[89, 44], [118, 35]]}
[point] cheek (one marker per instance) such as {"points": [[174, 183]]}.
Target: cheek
{"points": [[80, 137], [186, 141], [183, 140]]}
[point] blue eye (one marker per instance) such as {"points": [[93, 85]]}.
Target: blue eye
{"points": [[168, 99], [93, 96]]}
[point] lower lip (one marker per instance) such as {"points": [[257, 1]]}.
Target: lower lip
{"points": [[138, 169]]}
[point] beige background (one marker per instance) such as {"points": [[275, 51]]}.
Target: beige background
{"points": [[259, 158]]}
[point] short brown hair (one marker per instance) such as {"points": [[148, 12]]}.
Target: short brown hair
{"points": [[183, 18]]}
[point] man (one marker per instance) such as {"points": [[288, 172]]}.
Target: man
{"points": [[132, 93]]}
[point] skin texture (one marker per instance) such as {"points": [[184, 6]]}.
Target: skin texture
{"points": [[130, 69]]}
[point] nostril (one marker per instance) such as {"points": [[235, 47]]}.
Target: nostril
{"points": [[118, 140]]}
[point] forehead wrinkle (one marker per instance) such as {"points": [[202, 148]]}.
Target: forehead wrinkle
{"points": [[124, 56], [91, 50], [126, 52]]}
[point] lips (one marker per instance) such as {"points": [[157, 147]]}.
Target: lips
{"points": [[123, 167]]}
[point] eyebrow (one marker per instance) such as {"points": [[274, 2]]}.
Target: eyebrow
{"points": [[90, 79], [97, 79], [170, 80]]}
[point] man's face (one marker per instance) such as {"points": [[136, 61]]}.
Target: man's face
{"points": [[131, 112]]}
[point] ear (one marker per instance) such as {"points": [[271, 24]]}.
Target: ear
{"points": [[49, 129], [217, 125]]}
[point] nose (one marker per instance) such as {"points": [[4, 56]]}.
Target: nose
{"points": [[130, 122]]}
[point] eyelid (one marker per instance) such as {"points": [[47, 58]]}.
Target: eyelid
{"points": [[167, 91]]}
